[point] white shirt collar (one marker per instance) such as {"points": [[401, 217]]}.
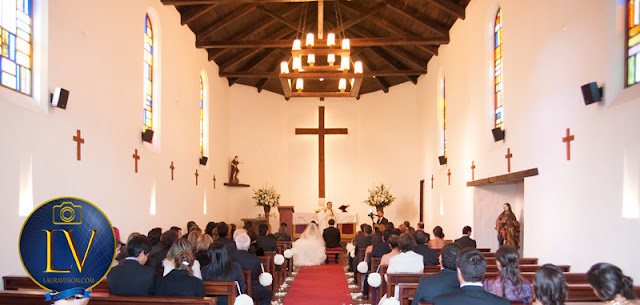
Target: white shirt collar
{"points": [[477, 284]]}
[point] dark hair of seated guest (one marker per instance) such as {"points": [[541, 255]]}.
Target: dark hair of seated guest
{"points": [[209, 228], [176, 229], [549, 287], [449, 255], [608, 281], [510, 269], [472, 265], [263, 228], [437, 232], [168, 238], [377, 238], [406, 242], [421, 239], [154, 236], [223, 229], [386, 234], [367, 229], [138, 244], [393, 241], [466, 230], [390, 225], [220, 266]]}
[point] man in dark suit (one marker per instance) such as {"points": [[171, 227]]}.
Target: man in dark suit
{"points": [[131, 276], [362, 241], [471, 267], [465, 241], [223, 230], [381, 220], [443, 282], [377, 251], [429, 256], [166, 241], [265, 242], [251, 262], [332, 238]]}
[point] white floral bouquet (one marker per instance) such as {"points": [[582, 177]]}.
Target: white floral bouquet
{"points": [[379, 197], [266, 196]]}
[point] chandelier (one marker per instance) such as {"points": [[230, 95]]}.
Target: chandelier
{"points": [[317, 62]]}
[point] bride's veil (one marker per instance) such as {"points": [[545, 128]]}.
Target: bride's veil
{"points": [[311, 232]]}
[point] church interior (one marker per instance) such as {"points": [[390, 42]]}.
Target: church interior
{"points": [[421, 117]]}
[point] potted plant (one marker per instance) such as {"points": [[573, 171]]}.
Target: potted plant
{"points": [[379, 197], [266, 197]]}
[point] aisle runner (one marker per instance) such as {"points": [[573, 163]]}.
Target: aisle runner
{"points": [[319, 285]]}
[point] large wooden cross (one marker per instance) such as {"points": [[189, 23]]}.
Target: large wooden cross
{"points": [[508, 156], [136, 157], [172, 168], [566, 139], [80, 141], [321, 131]]}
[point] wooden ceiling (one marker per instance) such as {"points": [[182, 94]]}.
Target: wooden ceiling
{"points": [[395, 39]]}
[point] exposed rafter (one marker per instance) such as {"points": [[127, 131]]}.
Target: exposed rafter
{"points": [[200, 2], [268, 74], [240, 11], [411, 13], [449, 7], [363, 15], [355, 42], [193, 13]]}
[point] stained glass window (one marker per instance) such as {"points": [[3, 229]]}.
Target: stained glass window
{"points": [[633, 42], [16, 26], [499, 106], [148, 74], [444, 120], [201, 117]]}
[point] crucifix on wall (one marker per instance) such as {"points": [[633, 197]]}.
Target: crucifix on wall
{"points": [[321, 131]]}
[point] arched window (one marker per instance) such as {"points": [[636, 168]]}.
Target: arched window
{"points": [[633, 42], [16, 25], [201, 117], [204, 114], [148, 74], [442, 118], [497, 47]]}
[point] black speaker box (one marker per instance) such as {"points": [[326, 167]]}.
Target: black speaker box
{"points": [[147, 135], [59, 98], [203, 160], [591, 93], [442, 160], [498, 134]]}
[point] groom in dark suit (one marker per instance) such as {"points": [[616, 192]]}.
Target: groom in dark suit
{"points": [[465, 241], [443, 282], [471, 267], [331, 237]]}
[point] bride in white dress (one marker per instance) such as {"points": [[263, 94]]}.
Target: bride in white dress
{"points": [[309, 249]]}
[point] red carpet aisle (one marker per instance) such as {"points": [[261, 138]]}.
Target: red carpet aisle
{"points": [[319, 285]]}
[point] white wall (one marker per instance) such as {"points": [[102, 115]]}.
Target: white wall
{"points": [[573, 209], [95, 51]]}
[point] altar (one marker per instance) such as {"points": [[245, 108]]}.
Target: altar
{"points": [[346, 223]]}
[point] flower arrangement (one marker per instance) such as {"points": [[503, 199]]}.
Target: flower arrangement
{"points": [[266, 196], [379, 197]]}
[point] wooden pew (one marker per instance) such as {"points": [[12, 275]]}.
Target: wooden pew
{"points": [[523, 261], [406, 292], [247, 281], [31, 297], [339, 254], [25, 282], [215, 288], [394, 279], [269, 266], [375, 263], [287, 245], [274, 269]]}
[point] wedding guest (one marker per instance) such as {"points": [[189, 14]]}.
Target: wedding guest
{"points": [[193, 236], [154, 237], [178, 230], [393, 243], [509, 284], [265, 243], [223, 231], [429, 256], [209, 228], [437, 242], [222, 269], [181, 281], [282, 234], [465, 241], [168, 262], [406, 261], [251, 262], [202, 247], [611, 285], [131, 276], [549, 287], [166, 241], [443, 282]]}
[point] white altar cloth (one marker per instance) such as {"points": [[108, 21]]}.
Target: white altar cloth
{"points": [[340, 218]]}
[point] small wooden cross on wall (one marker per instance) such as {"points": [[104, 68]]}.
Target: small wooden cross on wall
{"points": [[509, 155], [449, 174], [80, 141], [568, 140], [214, 182], [172, 168], [197, 176], [431, 181], [473, 171], [136, 157]]}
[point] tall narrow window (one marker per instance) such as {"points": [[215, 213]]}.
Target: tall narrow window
{"points": [[202, 118], [444, 121], [16, 25], [148, 74], [499, 106], [633, 42]]}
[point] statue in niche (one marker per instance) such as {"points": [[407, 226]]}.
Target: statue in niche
{"points": [[233, 177]]}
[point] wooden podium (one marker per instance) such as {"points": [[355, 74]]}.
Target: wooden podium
{"points": [[286, 216]]}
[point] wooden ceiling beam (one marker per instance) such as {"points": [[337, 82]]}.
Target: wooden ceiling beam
{"points": [[275, 66], [449, 7], [244, 55], [392, 62], [411, 13], [406, 56], [355, 42], [200, 2], [237, 13], [279, 17], [194, 13], [378, 80], [363, 15], [328, 75]]}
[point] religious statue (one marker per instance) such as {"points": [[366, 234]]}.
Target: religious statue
{"points": [[508, 228], [233, 177]]}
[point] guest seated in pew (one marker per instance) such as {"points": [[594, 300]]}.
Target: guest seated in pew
{"points": [[131, 277], [437, 242], [443, 282], [362, 240], [251, 262], [509, 284], [193, 236], [178, 230], [282, 234], [429, 256], [611, 285], [208, 230], [202, 250], [181, 282], [465, 241], [154, 236], [166, 241], [123, 254], [420, 226], [471, 268], [222, 269], [549, 287], [393, 243], [406, 261], [223, 230], [169, 262], [265, 243]]}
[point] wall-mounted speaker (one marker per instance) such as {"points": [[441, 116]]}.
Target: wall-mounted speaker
{"points": [[59, 98], [442, 160], [203, 160], [498, 134], [147, 135], [591, 93]]}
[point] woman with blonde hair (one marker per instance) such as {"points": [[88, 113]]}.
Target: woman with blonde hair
{"points": [[180, 245], [181, 281], [201, 253]]}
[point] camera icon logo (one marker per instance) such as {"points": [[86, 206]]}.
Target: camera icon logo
{"points": [[67, 214]]}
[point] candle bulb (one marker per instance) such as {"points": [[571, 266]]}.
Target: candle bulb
{"points": [[297, 45], [311, 59], [357, 67], [297, 64], [344, 63], [331, 40], [309, 40], [299, 84], [346, 45], [342, 85], [284, 67], [331, 59]]}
